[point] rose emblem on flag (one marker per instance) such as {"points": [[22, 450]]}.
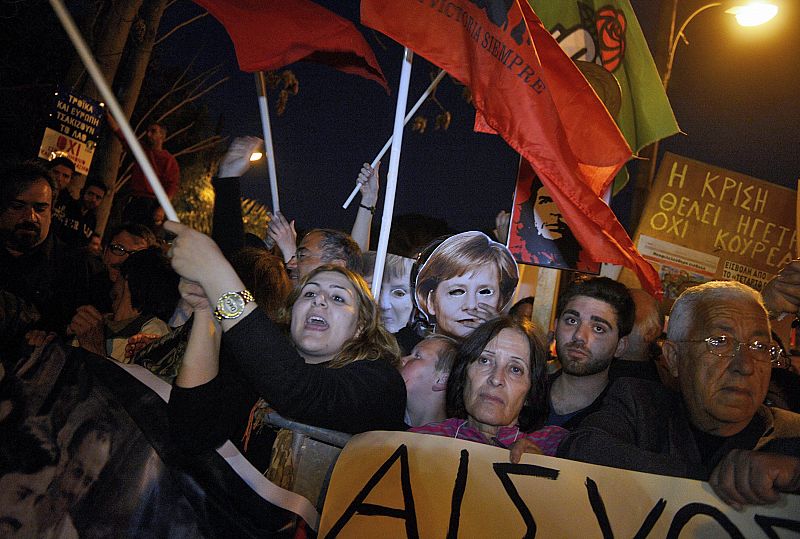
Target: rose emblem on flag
{"points": [[611, 26]]}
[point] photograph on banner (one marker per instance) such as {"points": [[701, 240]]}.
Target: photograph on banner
{"points": [[383, 485], [703, 222], [72, 129], [538, 234], [101, 463]]}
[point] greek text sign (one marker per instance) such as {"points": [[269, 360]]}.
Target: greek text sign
{"points": [[393, 484], [742, 228], [73, 129]]}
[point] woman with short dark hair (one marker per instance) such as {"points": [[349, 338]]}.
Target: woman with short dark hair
{"points": [[497, 390]]}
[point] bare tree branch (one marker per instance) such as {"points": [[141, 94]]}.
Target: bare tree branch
{"points": [[191, 98], [198, 81], [179, 131], [205, 144], [181, 25], [176, 86]]}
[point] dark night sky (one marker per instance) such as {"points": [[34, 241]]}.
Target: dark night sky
{"points": [[735, 95]]}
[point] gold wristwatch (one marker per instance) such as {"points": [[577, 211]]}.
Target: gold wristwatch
{"points": [[230, 305]]}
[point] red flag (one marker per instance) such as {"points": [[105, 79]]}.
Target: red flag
{"points": [[527, 90], [268, 34]]}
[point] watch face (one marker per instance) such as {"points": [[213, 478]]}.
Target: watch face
{"points": [[231, 304]]}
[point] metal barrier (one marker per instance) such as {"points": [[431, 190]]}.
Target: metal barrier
{"points": [[314, 453]]}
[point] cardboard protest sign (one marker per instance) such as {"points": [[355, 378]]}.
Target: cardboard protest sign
{"points": [[703, 222], [538, 234], [73, 129], [393, 484]]}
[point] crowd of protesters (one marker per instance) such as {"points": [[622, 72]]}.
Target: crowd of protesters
{"points": [[241, 329]]}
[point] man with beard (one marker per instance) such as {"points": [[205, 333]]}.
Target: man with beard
{"points": [[34, 264], [715, 427], [595, 316]]}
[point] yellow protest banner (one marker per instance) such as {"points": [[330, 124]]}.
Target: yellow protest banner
{"points": [[397, 484]]}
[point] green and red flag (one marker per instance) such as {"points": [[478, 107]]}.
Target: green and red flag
{"points": [[526, 89], [607, 32], [269, 34]]}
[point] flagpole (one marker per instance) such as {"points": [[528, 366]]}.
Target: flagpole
{"points": [[261, 87], [116, 111], [545, 298], [413, 110], [391, 177]]}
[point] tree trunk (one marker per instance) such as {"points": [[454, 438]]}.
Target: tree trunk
{"points": [[111, 39], [116, 19], [88, 26], [131, 77]]}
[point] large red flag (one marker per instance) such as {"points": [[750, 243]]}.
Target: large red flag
{"points": [[526, 89], [269, 34]]}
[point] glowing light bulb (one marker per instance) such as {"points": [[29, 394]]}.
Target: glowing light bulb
{"points": [[255, 156], [754, 13]]}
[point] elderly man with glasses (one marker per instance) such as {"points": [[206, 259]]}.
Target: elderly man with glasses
{"points": [[716, 428]]}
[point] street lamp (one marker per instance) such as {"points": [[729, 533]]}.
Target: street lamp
{"points": [[754, 14], [749, 14]]}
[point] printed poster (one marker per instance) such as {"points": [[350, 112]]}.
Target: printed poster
{"points": [[538, 234]]}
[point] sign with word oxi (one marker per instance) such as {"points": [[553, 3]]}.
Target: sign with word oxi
{"points": [[703, 222], [73, 129], [398, 484]]}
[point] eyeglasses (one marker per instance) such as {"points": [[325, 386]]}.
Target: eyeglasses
{"points": [[119, 250], [784, 360], [728, 347]]}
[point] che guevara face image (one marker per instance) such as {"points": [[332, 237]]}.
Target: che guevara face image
{"points": [[546, 215]]}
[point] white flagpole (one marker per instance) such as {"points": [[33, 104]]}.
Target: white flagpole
{"points": [[414, 109], [116, 111], [261, 85], [391, 179]]}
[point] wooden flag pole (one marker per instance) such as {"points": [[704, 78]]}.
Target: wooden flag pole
{"points": [[261, 88], [544, 301], [391, 177], [116, 111], [414, 109]]}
